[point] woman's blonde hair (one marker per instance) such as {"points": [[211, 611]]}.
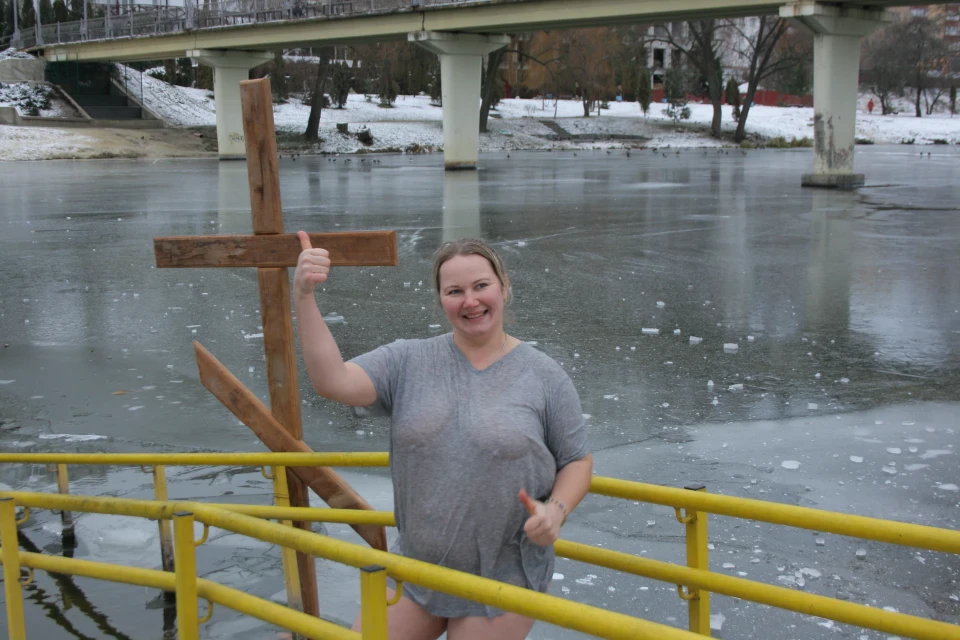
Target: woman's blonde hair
{"points": [[470, 247]]}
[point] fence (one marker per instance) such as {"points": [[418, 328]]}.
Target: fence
{"points": [[695, 581]]}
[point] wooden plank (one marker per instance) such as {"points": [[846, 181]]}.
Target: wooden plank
{"points": [[251, 411], [260, 139], [278, 344], [348, 249]]}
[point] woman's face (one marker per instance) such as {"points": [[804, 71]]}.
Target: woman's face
{"points": [[471, 295]]}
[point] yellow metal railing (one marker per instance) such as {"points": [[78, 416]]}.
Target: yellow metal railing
{"points": [[694, 581]]}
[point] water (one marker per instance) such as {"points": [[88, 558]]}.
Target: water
{"points": [[859, 288]]}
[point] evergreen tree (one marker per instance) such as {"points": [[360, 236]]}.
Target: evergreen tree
{"points": [[28, 18], [953, 99], [342, 80], [434, 86], [46, 12], [387, 87], [76, 10], [6, 25], [60, 12], [732, 95], [278, 77], [644, 89]]}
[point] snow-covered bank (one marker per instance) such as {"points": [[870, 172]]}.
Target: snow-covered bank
{"points": [[413, 123]]}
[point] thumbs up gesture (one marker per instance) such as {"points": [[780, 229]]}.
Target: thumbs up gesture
{"points": [[543, 525], [313, 267]]}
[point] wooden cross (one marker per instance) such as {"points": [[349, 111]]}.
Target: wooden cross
{"points": [[271, 251]]}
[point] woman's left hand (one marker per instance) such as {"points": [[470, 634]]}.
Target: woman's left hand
{"points": [[543, 525]]}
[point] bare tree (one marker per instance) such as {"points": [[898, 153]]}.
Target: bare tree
{"points": [[491, 80], [924, 51], [312, 134], [765, 58], [884, 69], [702, 49], [584, 63]]}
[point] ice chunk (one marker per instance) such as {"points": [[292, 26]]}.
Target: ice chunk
{"points": [[716, 621], [715, 402], [810, 573], [729, 565], [521, 243], [730, 347], [736, 387], [587, 580], [665, 405], [893, 450], [856, 459], [820, 542], [812, 406], [136, 408], [933, 453], [890, 470], [334, 318], [817, 376], [915, 467], [790, 464], [709, 384], [251, 336], [749, 338], [650, 332], [844, 380], [558, 576], [676, 332], [948, 487], [433, 326], [695, 340], [661, 303], [7, 381], [650, 523]]}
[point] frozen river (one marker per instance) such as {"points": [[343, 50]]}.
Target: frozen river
{"points": [[844, 309]]}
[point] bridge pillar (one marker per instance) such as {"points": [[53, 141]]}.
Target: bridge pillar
{"points": [[837, 34], [229, 68], [461, 59]]}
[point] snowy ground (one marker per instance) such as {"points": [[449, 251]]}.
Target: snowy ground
{"points": [[415, 124]]}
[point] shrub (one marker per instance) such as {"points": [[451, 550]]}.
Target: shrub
{"points": [[940, 141]]}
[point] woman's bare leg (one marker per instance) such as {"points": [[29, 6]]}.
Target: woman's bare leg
{"points": [[407, 620], [509, 626]]}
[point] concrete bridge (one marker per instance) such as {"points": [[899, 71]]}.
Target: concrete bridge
{"points": [[236, 35]]}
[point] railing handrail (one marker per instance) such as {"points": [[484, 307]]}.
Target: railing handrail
{"points": [[533, 604], [228, 517], [876, 529], [222, 595]]}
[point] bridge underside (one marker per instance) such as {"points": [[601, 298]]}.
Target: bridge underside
{"points": [[503, 16]]}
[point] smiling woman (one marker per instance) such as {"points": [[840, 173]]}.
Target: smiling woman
{"points": [[479, 422]]}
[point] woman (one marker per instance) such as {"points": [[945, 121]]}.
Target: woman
{"points": [[479, 419]]}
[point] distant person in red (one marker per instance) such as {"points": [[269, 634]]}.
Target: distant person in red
{"points": [[870, 105]]}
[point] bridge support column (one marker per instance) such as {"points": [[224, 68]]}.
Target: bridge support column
{"points": [[836, 66], [461, 59], [229, 68]]}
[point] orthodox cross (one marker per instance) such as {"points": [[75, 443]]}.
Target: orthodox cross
{"points": [[272, 251]]}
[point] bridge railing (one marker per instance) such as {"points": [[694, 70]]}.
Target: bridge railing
{"points": [[147, 20]]}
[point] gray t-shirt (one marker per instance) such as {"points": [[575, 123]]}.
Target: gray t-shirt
{"points": [[463, 443]]}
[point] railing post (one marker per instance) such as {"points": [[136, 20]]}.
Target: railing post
{"points": [[68, 537], [373, 602], [698, 600], [10, 549], [186, 556], [166, 537], [291, 570]]}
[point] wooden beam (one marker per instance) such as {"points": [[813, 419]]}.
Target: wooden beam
{"points": [[349, 249], [260, 140], [263, 174], [242, 403]]}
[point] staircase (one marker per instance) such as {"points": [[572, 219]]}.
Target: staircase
{"points": [[108, 107]]}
